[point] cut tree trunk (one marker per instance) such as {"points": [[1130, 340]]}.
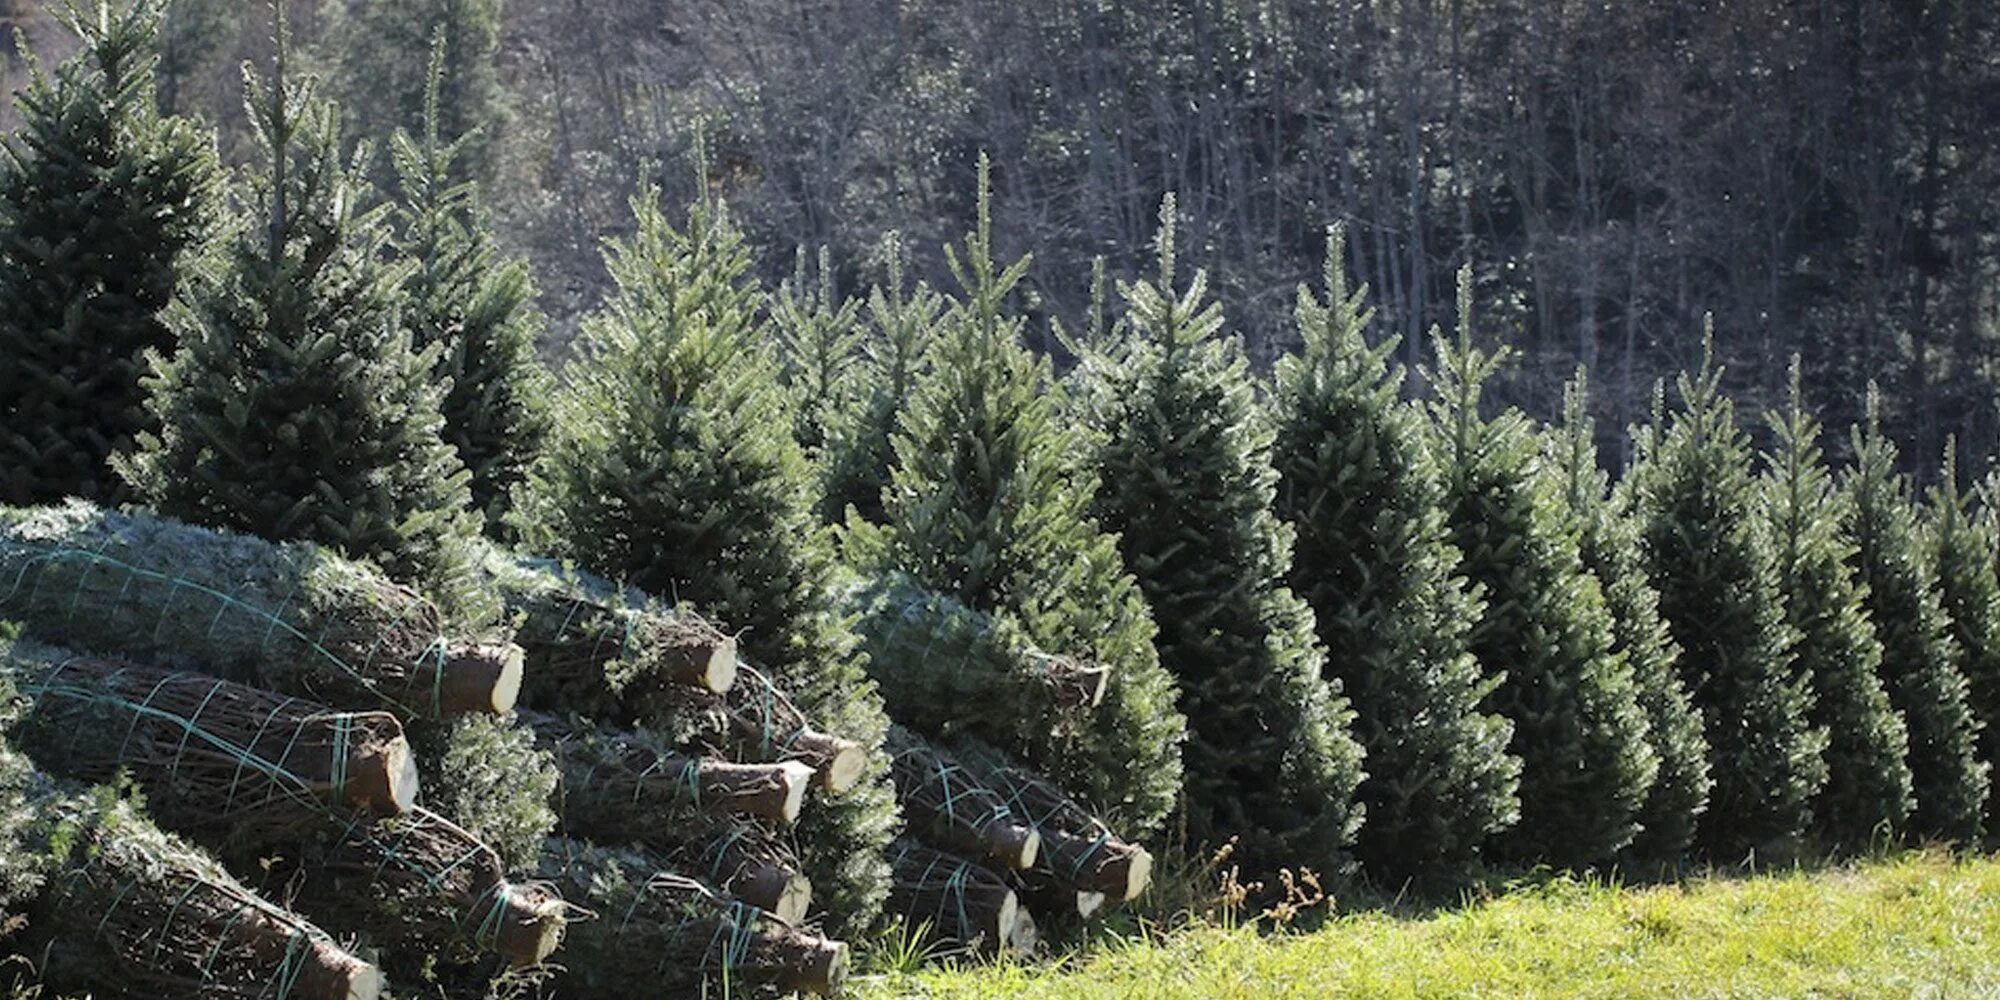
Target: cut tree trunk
{"points": [[605, 771], [957, 900], [947, 807]]}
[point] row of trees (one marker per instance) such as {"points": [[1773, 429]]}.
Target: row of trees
{"points": [[1339, 626]]}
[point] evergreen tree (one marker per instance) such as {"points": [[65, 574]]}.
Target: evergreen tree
{"points": [[1586, 765], [1963, 543], [1706, 550], [1920, 658], [672, 466], [474, 309], [296, 406], [819, 335], [987, 505], [1609, 546], [384, 51], [1373, 561], [1187, 486], [860, 438], [1867, 789], [101, 199]]}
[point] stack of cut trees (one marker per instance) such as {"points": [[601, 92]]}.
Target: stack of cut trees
{"points": [[256, 693]]}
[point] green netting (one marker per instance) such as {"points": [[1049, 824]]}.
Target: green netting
{"points": [[289, 616], [945, 803], [954, 899]]}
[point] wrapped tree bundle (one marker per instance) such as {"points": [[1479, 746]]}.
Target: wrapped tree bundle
{"points": [[767, 725], [933, 656], [743, 857], [955, 900], [225, 764], [291, 617], [597, 650], [132, 912], [947, 807], [1080, 855], [611, 778], [659, 933], [421, 881]]}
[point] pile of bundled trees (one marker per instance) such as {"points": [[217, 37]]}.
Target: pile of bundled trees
{"points": [[254, 695]]}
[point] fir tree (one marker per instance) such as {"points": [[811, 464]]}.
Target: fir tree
{"points": [[1867, 791], [296, 406], [987, 505], [672, 466], [1963, 542], [1706, 550], [384, 48], [101, 199], [473, 309], [860, 438], [1609, 546], [1920, 658], [819, 335], [1187, 485], [1586, 765], [1373, 561]]}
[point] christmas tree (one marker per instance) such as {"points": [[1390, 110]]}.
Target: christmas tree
{"points": [[819, 335], [1184, 459], [383, 48], [1962, 543], [1609, 546], [1586, 765], [1920, 657], [101, 198], [1706, 550], [1867, 791], [987, 505], [859, 448], [672, 466], [473, 309], [296, 406], [1374, 562]]}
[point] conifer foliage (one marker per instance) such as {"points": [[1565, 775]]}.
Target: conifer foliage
{"points": [[860, 447], [1187, 482], [296, 407], [987, 505], [1609, 546], [1867, 791], [1962, 545], [474, 307], [672, 466], [1586, 765], [1373, 561], [1697, 502], [1920, 657], [101, 200]]}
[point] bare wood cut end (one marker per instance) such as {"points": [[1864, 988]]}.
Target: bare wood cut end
{"points": [[784, 894], [330, 973], [1018, 846], [532, 921], [383, 779], [1088, 903], [797, 778], [823, 971], [845, 762], [480, 680]]}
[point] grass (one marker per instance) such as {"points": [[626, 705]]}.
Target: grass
{"points": [[1921, 925]]}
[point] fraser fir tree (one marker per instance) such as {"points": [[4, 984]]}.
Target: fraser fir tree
{"points": [[987, 505], [1867, 791], [1373, 561], [1184, 460], [1963, 543], [1706, 550], [818, 334], [1609, 546], [860, 438], [1920, 658], [296, 406], [101, 199], [1586, 765], [672, 466], [474, 309]]}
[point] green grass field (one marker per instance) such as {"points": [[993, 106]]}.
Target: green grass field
{"points": [[1917, 926]]}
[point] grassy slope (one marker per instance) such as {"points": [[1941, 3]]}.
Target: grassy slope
{"points": [[1910, 927]]}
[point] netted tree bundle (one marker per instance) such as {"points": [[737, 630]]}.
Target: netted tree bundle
{"points": [[951, 899], [612, 778], [659, 933], [224, 764], [768, 726], [597, 650], [291, 617], [945, 806], [741, 856], [420, 884], [946, 668], [130, 911], [1081, 857]]}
